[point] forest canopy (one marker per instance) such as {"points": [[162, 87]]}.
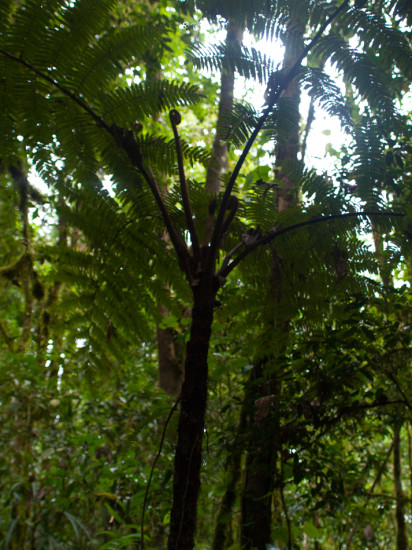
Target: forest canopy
{"points": [[205, 334]]}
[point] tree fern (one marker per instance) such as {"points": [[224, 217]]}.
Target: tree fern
{"points": [[295, 266]]}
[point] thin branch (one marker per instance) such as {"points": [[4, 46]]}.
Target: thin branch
{"points": [[383, 495], [272, 235], [172, 410], [309, 121], [281, 85], [328, 423], [398, 386], [26, 273]]}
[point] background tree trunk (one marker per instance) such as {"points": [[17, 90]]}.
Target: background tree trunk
{"points": [[262, 456], [223, 530], [218, 161], [256, 509]]}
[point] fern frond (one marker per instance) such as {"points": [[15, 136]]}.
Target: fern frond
{"points": [[71, 87], [73, 43], [322, 88], [79, 26], [282, 120], [320, 11], [401, 9], [321, 195], [125, 106], [259, 210], [237, 125], [263, 19], [160, 153], [358, 68], [378, 38], [247, 62], [369, 165], [29, 28], [102, 64], [317, 266]]}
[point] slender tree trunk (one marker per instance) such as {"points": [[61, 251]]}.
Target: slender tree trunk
{"points": [[262, 448], [188, 457], [377, 479], [262, 455], [288, 148], [401, 535], [218, 161], [26, 271]]}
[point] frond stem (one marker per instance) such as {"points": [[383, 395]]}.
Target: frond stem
{"points": [[187, 207], [64, 90], [281, 85], [176, 238], [272, 235]]}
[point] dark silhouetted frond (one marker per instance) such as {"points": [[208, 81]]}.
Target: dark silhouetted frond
{"points": [[377, 37], [247, 62], [139, 101], [323, 89], [372, 83], [237, 125]]}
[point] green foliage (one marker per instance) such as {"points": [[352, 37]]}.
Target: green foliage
{"points": [[321, 87], [247, 62], [359, 69], [309, 321]]}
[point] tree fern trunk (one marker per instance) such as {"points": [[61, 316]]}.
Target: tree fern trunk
{"points": [[188, 456]]}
